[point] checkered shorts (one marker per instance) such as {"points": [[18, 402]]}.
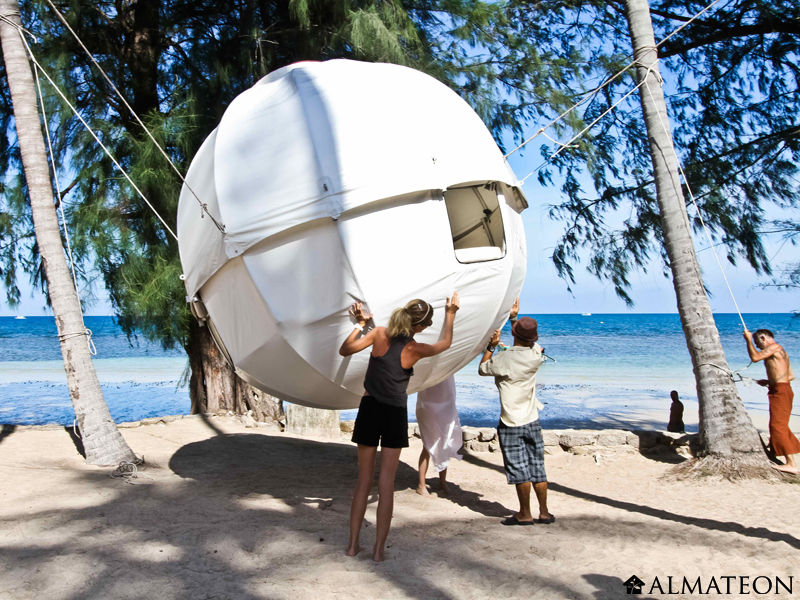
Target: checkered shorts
{"points": [[523, 452]]}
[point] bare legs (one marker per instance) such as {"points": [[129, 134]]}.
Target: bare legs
{"points": [[524, 496], [423, 464], [366, 469], [390, 458]]}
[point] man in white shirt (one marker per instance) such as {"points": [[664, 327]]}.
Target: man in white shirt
{"points": [[520, 434]]}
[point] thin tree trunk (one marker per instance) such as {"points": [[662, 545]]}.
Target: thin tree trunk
{"points": [[214, 386], [102, 442], [726, 430]]}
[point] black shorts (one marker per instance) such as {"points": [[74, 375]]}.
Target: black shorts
{"points": [[379, 422]]}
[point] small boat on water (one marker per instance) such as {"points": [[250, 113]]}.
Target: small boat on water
{"points": [[19, 317], [586, 314]]}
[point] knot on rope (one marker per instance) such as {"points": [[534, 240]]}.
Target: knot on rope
{"points": [[62, 337], [651, 69], [735, 376]]}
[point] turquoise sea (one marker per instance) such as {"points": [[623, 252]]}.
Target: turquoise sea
{"points": [[610, 370]]}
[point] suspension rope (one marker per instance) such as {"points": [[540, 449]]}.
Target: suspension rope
{"points": [[593, 93], [96, 138], [697, 208], [57, 186], [580, 133], [202, 204]]}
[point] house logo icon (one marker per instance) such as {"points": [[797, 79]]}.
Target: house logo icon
{"points": [[633, 585]]}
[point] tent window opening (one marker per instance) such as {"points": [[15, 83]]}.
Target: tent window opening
{"points": [[476, 223]]}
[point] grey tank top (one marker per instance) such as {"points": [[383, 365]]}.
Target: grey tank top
{"points": [[386, 380]]}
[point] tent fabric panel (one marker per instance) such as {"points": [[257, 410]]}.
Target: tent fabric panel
{"points": [[200, 242], [267, 176], [323, 138], [267, 369], [306, 280], [242, 319]]}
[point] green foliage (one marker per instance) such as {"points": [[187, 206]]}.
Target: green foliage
{"points": [[732, 89], [180, 63], [518, 63]]}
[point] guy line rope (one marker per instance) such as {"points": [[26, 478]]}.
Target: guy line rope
{"points": [[542, 130], [644, 83], [203, 206]]}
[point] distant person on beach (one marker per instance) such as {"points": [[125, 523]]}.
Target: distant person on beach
{"points": [[383, 414], [675, 424], [520, 434], [440, 430], [779, 392]]}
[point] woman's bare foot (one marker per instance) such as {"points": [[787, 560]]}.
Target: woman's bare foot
{"points": [[377, 555], [353, 550], [444, 489], [422, 490]]}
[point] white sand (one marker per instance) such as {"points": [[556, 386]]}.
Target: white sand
{"points": [[220, 511]]}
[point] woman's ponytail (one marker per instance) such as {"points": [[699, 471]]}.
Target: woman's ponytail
{"points": [[403, 320], [400, 323]]}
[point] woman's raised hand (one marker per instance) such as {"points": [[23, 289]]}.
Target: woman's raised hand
{"points": [[359, 314], [451, 305]]}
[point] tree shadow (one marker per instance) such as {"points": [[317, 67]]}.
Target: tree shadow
{"points": [[710, 524], [76, 440], [606, 585], [6, 431], [250, 509]]}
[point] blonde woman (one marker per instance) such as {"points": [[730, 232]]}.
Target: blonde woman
{"points": [[383, 414]]}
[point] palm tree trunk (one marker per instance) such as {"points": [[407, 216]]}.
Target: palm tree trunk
{"points": [[102, 442], [726, 430]]}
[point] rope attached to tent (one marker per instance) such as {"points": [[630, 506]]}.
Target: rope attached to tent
{"points": [[696, 207], [202, 204]]}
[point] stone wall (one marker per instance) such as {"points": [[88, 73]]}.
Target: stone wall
{"points": [[577, 441]]}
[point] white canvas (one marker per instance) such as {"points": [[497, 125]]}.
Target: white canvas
{"points": [[330, 180]]}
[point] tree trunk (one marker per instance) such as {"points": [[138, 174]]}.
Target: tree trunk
{"points": [[214, 386], [726, 430], [102, 442]]}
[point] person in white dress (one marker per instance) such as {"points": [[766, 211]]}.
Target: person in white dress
{"points": [[440, 430]]}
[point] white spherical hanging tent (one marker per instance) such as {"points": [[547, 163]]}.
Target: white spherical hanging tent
{"points": [[340, 181]]}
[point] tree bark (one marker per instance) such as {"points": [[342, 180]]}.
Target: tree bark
{"points": [[214, 386], [725, 427], [102, 442]]}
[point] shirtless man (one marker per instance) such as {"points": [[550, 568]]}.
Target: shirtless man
{"points": [[779, 374]]}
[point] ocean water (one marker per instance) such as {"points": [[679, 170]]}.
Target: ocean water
{"points": [[609, 370]]}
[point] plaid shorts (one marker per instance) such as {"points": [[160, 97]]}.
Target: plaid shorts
{"points": [[523, 452]]}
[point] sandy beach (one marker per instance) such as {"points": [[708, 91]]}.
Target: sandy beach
{"points": [[220, 510]]}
